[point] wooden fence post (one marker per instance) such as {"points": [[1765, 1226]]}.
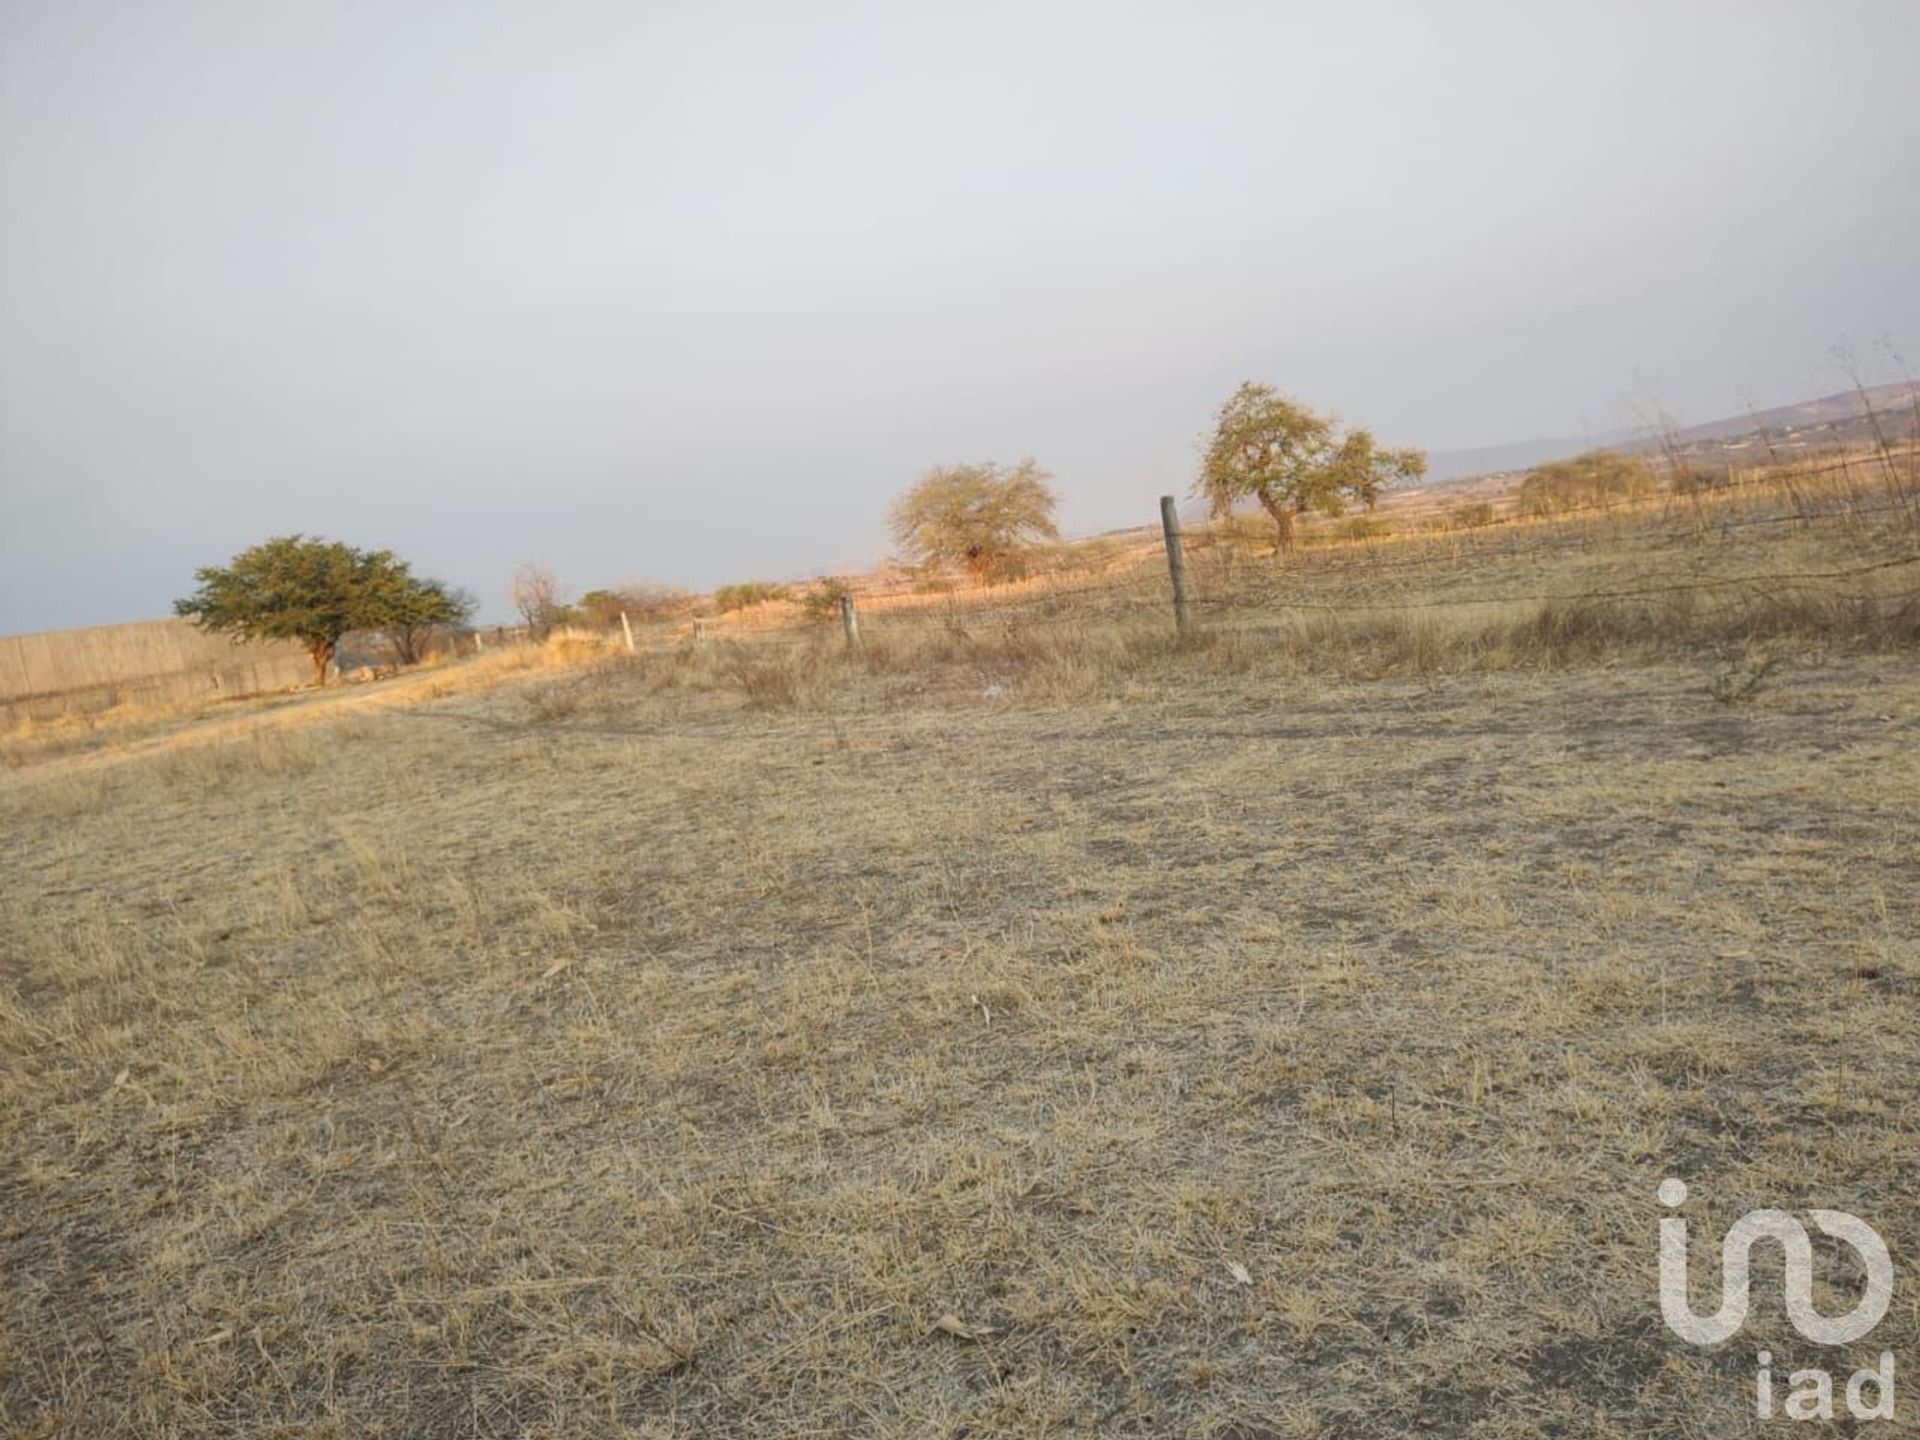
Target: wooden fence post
{"points": [[627, 630], [849, 622], [1176, 564], [699, 630]]}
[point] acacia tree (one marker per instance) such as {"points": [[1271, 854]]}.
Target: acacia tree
{"points": [[421, 608], [1289, 460], [294, 588], [983, 517], [1590, 479]]}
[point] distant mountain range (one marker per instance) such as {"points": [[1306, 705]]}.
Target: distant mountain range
{"points": [[1829, 421]]}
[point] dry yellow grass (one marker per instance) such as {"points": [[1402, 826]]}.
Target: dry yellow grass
{"points": [[1029, 1025], [131, 730]]}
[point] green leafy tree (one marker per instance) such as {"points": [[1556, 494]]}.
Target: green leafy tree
{"points": [[1290, 460], [309, 590], [419, 609], [984, 518]]}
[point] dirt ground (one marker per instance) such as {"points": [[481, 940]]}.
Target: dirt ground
{"points": [[1213, 1055]]}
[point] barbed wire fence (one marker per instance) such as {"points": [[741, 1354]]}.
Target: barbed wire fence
{"points": [[1621, 551]]}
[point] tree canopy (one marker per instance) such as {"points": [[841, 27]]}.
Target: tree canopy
{"points": [[638, 600], [313, 591], [745, 594], [983, 517], [1592, 479], [1288, 459], [541, 598], [418, 610]]}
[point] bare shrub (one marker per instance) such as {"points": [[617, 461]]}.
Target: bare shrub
{"points": [[568, 648], [540, 598], [746, 594], [773, 678], [546, 703], [1360, 527], [1742, 680], [1471, 516]]}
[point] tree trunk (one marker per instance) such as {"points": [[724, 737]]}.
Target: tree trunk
{"points": [[322, 653], [1282, 514]]}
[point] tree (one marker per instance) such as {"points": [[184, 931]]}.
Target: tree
{"points": [[294, 588], [1586, 480], [540, 598], [419, 610], [984, 518], [637, 600], [602, 608], [820, 601], [1288, 459]]}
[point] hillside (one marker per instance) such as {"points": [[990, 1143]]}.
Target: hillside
{"points": [[1829, 422]]}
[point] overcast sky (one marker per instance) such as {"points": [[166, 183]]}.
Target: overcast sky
{"points": [[689, 292]]}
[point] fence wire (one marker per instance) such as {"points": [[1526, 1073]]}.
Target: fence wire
{"points": [[1634, 552]]}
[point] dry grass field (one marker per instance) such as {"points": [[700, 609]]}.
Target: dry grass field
{"points": [[1027, 1025]]}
